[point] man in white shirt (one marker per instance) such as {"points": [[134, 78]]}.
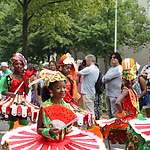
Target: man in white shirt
{"points": [[90, 73]]}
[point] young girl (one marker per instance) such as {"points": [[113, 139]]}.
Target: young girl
{"points": [[127, 103], [57, 91], [48, 136]]}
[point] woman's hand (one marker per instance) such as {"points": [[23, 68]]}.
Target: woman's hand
{"points": [[129, 113], [55, 131]]}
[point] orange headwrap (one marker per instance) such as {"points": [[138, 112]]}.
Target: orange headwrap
{"points": [[66, 59]]}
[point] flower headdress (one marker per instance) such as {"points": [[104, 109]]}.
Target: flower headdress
{"points": [[129, 69], [19, 56], [49, 76], [67, 59]]}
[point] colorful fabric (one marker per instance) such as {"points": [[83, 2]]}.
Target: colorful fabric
{"points": [[129, 69], [130, 103], [19, 56], [139, 134], [27, 138]]}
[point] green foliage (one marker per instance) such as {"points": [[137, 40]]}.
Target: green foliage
{"points": [[71, 26]]}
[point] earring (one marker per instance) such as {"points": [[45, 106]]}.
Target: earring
{"points": [[51, 93], [60, 68]]}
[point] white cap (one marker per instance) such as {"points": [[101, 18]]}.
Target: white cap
{"points": [[4, 64]]}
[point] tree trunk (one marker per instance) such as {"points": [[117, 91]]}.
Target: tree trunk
{"points": [[25, 28]]}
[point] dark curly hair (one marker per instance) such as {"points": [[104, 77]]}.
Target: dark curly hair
{"points": [[118, 56]]}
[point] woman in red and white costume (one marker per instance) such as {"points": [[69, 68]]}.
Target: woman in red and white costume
{"points": [[15, 87], [67, 67]]}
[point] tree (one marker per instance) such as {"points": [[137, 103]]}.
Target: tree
{"points": [[96, 28]]}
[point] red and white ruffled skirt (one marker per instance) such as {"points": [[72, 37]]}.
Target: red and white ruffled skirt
{"points": [[19, 106], [26, 138]]}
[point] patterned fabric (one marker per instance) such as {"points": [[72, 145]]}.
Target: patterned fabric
{"points": [[19, 56], [27, 138], [139, 134]]}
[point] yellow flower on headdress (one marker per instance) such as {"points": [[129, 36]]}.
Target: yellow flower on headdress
{"points": [[129, 69]]}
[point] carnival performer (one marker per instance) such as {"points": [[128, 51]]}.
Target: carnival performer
{"points": [[127, 105], [15, 87], [67, 67], [54, 129]]}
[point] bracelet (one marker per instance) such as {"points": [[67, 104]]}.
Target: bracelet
{"points": [[120, 115], [45, 132]]}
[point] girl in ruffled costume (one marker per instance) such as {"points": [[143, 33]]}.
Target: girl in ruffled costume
{"points": [[15, 87], [49, 135], [67, 67], [127, 105]]}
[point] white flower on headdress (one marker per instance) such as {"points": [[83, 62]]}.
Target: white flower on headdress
{"points": [[69, 60]]}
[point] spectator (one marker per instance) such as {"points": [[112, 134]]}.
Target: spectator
{"points": [[90, 74], [53, 65], [113, 81], [146, 74], [141, 89], [81, 65], [5, 70]]}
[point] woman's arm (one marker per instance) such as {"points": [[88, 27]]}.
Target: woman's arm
{"points": [[39, 123], [118, 103], [11, 94], [143, 86]]}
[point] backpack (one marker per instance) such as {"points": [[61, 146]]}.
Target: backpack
{"points": [[99, 85]]}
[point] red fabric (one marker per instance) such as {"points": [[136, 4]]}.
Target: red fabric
{"points": [[142, 127], [15, 84], [27, 75], [127, 105], [68, 96], [146, 133]]}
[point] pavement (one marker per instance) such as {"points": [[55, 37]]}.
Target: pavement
{"points": [[4, 126]]}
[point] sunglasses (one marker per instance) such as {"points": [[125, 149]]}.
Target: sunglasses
{"points": [[113, 57]]}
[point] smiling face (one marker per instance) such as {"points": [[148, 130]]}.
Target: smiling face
{"points": [[59, 89], [18, 65], [52, 66]]}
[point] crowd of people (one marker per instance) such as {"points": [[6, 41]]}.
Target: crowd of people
{"points": [[28, 91]]}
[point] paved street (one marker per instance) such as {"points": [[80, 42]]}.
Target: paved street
{"points": [[4, 127]]}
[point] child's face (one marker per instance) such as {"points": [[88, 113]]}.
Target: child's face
{"points": [[128, 83], [59, 89]]}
